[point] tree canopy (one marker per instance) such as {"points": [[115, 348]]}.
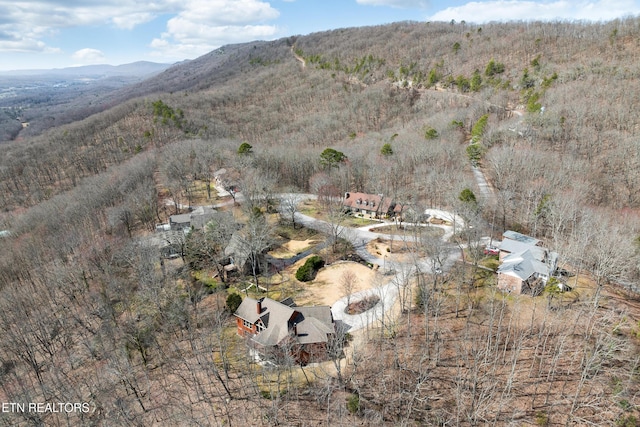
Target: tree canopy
{"points": [[332, 158], [245, 148], [386, 150]]}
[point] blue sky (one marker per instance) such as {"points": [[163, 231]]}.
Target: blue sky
{"points": [[62, 33]]}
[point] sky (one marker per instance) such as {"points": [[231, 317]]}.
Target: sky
{"points": [[45, 34]]}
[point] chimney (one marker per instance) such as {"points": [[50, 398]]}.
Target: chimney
{"points": [[259, 305], [295, 329], [347, 195]]}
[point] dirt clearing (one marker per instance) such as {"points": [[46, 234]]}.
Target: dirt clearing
{"points": [[292, 248], [327, 287]]}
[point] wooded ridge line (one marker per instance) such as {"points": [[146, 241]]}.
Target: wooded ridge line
{"points": [[97, 306]]}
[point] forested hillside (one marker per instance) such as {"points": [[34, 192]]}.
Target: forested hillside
{"points": [[547, 112]]}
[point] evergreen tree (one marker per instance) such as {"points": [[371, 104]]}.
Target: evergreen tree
{"points": [[332, 158], [245, 148]]}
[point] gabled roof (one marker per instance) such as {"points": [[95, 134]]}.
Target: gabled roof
{"points": [[364, 201], [238, 250], [198, 217], [519, 237], [180, 219], [201, 216], [312, 323], [371, 202], [524, 265], [515, 246]]}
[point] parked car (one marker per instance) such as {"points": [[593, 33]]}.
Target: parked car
{"points": [[491, 250]]}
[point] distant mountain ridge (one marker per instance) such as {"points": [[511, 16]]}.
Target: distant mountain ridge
{"points": [[138, 68]]}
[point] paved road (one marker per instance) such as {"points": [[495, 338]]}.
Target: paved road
{"points": [[388, 293], [486, 191], [392, 270]]}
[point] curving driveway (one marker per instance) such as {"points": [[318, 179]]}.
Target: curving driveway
{"points": [[359, 238], [388, 293]]}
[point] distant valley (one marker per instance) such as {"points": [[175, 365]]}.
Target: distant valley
{"points": [[32, 101]]}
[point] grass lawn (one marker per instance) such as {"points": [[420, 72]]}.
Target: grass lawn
{"points": [[410, 230], [354, 221]]}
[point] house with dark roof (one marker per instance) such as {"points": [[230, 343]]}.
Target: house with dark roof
{"points": [[526, 265], [372, 205], [197, 218], [278, 329]]}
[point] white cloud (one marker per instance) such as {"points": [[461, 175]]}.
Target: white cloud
{"points": [[89, 56], [407, 4], [132, 20], [206, 25], [29, 22], [26, 45], [197, 26], [522, 10], [225, 12]]}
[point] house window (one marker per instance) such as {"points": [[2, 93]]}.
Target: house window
{"points": [[260, 327], [247, 324]]}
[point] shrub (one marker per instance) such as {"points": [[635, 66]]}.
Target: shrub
{"points": [[493, 68], [386, 150], [476, 81], [309, 269], [467, 196], [463, 83], [430, 133], [542, 419], [627, 421], [475, 153], [233, 302], [245, 148], [353, 403], [478, 129]]}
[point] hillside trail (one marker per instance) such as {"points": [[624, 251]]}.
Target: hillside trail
{"points": [[484, 185], [298, 57]]}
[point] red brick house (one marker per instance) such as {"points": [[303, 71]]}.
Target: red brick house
{"points": [[372, 205], [526, 265], [282, 329]]}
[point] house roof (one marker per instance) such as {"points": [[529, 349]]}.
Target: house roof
{"points": [[371, 202], [315, 324], [198, 217], [180, 219], [515, 246], [312, 323], [519, 237], [201, 216], [237, 249], [526, 264]]}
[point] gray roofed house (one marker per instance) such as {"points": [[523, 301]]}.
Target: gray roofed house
{"points": [[237, 251], [180, 222], [522, 238], [508, 247], [525, 265], [198, 218], [282, 328]]}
